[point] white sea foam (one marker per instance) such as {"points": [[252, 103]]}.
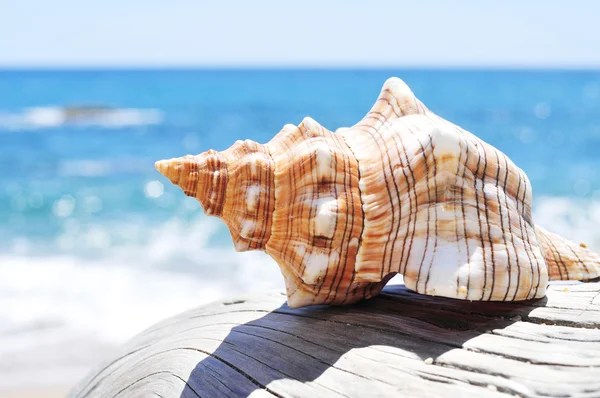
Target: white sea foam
{"points": [[110, 300], [56, 116], [154, 273], [576, 219]]}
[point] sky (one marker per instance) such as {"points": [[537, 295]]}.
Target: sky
{"points": [[308, 33]]}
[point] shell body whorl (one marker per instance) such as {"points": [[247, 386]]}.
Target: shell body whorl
{"points": [[402, 191]]}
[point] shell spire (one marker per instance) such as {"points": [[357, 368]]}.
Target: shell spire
{"points": [[402, 191], [203, 177], [235, 185]]}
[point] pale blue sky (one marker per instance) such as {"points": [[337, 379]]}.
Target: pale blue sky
{"points": [[375, 33]]}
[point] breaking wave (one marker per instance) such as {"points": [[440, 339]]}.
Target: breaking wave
{"points": [[99, 116]]}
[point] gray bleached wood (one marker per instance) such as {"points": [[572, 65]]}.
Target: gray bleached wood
{"points": [[397, 344]]}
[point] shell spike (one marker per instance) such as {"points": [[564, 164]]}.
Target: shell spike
{"points": [[395, 101]]}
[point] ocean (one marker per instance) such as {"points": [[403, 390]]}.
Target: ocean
{"points": [[94, 241]]}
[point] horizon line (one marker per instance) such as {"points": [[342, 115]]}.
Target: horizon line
{"points": [[214, 68]]}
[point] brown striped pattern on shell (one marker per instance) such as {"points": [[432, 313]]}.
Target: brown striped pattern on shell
{"points": [[460, 220], [317, 222], [402, 191]]}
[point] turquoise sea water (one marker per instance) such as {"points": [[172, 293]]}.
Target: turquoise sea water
{"points": [[87, 224]]}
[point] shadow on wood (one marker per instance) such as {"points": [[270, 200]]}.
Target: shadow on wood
{"points": [[399, 343]]}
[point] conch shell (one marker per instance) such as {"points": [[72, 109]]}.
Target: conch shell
{"points": [[403, 191]]}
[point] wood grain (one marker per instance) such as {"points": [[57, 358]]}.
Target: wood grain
{"points": [[397, 344]]}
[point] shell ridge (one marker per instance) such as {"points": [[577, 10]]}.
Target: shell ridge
{"points": [[487, 221], [383, 155], [287, 135], [412, 222], [223, 178], [502, 229], [394, 223], [346, 176], [362, 212], [248, 174], [271, 182], [529, 247], [369, 288], [247, 206], [509, 224], [435, 209], [312, 129], [456, 222], [291, 180], [311, 207], [523, 240], [330, 243], [469, 253], [399, 127], [266, 232], [427, 223], [403, 165], [303, 131]]}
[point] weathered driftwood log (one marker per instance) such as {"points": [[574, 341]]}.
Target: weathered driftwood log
{"points": [[397, 344]]}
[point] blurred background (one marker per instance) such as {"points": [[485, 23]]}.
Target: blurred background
{"points": [[95, 245]]}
